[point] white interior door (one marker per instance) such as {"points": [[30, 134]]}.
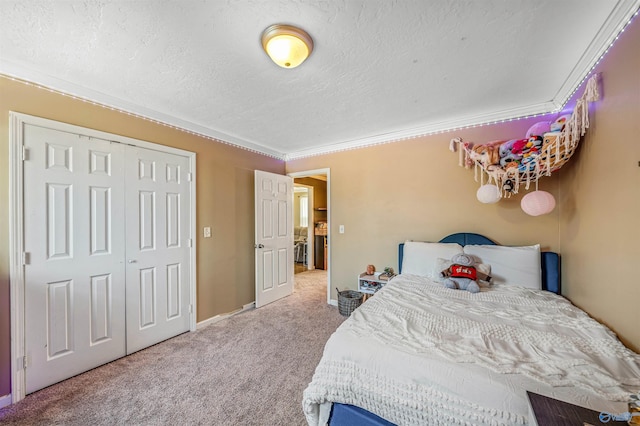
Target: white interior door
{"points": [[274, 236], [74, 244], [157, 246], [107, 236]]}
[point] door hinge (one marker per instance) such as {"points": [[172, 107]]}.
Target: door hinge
{"points": [[25, 153], [190, 309], [26, 258], [190, 242], [23, 362], [189, 177]]}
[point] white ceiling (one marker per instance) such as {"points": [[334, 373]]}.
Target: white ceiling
{"points": [[381, 70]]}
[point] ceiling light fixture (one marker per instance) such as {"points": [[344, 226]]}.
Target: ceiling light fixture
{"points": [[286, 45]]}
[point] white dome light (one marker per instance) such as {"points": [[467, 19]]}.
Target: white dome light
{"points": [[286, 45]]}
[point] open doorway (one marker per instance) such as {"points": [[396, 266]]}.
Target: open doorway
{"points": [[315, 184], [303, 241]]}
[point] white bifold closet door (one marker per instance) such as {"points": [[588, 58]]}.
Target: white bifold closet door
{"points": [[107, 257], [157, 218]]}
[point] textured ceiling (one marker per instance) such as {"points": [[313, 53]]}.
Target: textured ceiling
{"points": [[381, 70]]}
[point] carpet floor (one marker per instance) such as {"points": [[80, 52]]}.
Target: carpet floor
{"points": [[250, 369]]}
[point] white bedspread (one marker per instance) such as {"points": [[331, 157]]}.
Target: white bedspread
{"points": [[418, 353]]}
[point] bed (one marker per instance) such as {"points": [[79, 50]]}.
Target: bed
{"points": [[420, 353]]}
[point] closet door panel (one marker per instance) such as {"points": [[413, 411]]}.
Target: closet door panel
{"points": [[158, 253], [74, 240]]}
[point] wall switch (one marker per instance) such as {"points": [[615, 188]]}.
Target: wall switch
{"points": [[207, 232], [341, 229]]}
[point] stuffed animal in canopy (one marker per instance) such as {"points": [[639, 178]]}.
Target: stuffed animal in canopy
{"points": [[487, 154], [511, 150], [519, 146], [530, 153], [538, 129], [533, 146], [558, 125], [461, 274]]}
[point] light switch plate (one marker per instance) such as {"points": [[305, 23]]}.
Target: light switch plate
{"points": [[207, 232], [341, 229]]}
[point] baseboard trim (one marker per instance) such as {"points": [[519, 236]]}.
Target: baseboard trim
{"points": [[222, 317], [333, 302], [5, 401]]}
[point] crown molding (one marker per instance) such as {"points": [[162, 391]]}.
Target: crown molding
{"points": [[618, 20], [621, 16], [430, 129], [22, 74], [15, 71]]}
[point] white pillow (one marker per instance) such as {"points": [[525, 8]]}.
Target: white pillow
{"points": [[511, 265], [442, 264], [420, 258]]}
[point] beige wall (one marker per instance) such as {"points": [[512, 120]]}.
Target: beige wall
{"points": [[319, 197], [225, 272], [319, 190], [414, 190], [600, 199]]}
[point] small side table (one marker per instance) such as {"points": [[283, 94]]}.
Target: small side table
{"points": [[548, 411], [369, 284]]}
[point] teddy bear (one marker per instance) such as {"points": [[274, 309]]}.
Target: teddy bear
{"points": [[462, 274], [487, 154]]}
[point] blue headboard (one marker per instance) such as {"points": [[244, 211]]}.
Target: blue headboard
{"points": [[549, 261]]}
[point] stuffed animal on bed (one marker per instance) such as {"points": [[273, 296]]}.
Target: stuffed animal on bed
{"points": [[461, 274]]}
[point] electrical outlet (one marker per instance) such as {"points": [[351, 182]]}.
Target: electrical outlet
{"points": [[207, 232]]}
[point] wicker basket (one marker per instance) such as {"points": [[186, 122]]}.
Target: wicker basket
{"points": [[348, 301]]}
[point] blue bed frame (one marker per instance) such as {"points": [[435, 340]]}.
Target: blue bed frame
{"points": [[350, 415]]}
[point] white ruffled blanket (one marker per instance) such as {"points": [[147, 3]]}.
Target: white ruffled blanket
{"points": [[418, 353]]}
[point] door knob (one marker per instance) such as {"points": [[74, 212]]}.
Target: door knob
{"points": [[259, 246], [133, 261]]}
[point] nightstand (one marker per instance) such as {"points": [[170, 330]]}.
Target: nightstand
{"points": [[544, 411], [369, 284]]}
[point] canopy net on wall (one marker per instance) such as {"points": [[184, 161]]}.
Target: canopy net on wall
{"points": [[545, 149]]}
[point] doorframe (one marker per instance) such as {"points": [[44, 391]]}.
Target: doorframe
{"points": [[310, 233], [16, 233], [327, 172]]}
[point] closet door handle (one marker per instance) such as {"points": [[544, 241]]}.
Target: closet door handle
{"points": [[133, 261], [259, 246]]}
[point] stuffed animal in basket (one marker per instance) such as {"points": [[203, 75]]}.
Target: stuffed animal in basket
{"points": [[462, 274]]}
